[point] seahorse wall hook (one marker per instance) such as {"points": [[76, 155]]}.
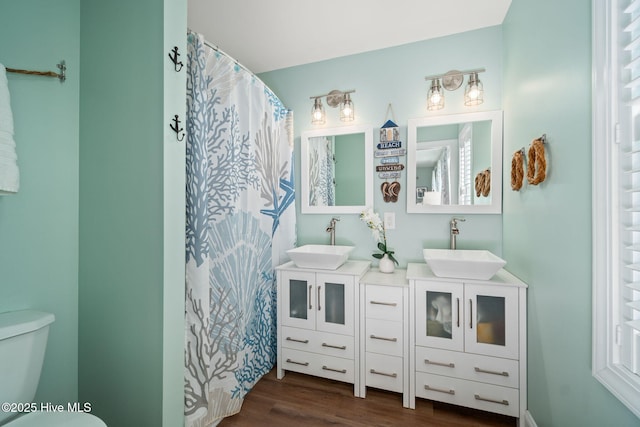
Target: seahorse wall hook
{"points": [[173, 55], [176, 128]]}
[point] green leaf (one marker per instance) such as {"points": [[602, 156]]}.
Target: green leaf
{"points": [[392, 258], [377, 256], [382, 246]]}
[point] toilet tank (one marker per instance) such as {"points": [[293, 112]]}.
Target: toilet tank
{"points": [[23, 340]]}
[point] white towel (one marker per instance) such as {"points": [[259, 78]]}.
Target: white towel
{"points": [[9, 173]]}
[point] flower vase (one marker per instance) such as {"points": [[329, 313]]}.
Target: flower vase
{"points": [[386, 265]]}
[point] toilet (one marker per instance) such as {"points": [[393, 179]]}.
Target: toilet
{"points": [[23, 340]]}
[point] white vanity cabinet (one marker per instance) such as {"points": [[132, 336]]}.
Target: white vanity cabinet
{"points": [[384, 332], [468, 340], [318, 318]]}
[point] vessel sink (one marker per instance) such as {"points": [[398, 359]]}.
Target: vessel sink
{"points": [[463, 263], [324, 257]]}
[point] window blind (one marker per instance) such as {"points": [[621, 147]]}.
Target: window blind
{"points": [[629, 158], [464, 175]]}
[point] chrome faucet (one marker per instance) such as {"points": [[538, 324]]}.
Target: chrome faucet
{"points": [[454, 231], [332, 229]]}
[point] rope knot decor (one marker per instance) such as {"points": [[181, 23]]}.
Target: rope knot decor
{"points": [[483, 183], [517, 170], [536, 163]]}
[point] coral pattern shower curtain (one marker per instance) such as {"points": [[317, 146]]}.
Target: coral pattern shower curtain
{"points": [[240, 220]]}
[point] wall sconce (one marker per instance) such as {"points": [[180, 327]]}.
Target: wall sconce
{"points": [[452, 80], [333, 98]]}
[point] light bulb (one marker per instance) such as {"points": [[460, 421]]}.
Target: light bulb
{"points": [[473, 92]]}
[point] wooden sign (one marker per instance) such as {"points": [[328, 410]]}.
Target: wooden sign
{"points": [[388, 160], [389, 131], [389, 168], [388, 153], [389, 145], [387, 175]]}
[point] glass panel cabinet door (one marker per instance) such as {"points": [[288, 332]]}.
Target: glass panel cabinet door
{"points": [[491, 320], [438, 315], [336, 308], [298, 300]]}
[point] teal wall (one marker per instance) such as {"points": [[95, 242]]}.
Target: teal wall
{"points": [[131, 302], [547, 229], [39, 225], [96, 233], [395, 76]]}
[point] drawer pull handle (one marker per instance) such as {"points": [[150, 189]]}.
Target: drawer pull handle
{"points": [[340, 371], [484, 371], [319, 308], [339, 347], [440, 390], [298, 363], [394, 375], [296, 340], [448, 365], [500, 402], [390, 304], [374, 337], [309, 294]]}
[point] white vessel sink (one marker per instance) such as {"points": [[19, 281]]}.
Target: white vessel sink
{"points": [[463, 263], [324, 257]]}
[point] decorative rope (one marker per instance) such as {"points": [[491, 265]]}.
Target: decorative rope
{"points": [[536, 163], [483, 183], [517, 170]]}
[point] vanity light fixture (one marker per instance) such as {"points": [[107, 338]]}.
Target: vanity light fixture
{"points": [[473, 93], [334, 98], [452, 80], [318, 116], [435, 100]]}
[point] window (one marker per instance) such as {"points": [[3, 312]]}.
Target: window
{"points": [[616, 198]]}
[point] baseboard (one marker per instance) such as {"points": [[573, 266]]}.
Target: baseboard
{"points": [[528, 420]]}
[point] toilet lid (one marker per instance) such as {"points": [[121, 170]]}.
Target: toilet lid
{"points": [[57, 419]]}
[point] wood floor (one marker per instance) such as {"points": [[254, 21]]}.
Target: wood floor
{"points": [[301, 400]]}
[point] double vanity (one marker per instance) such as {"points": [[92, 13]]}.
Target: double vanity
{"points": [[460, 340]]}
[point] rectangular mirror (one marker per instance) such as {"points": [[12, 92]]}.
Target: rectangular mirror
{"points": [[454, 163], [337, 169]]}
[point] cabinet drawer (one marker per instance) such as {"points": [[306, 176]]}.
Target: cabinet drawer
{"points": [[490, 370], [318, 342], [383, 302], [384, 337], [335, 368], [487, 397], [385, 372]]}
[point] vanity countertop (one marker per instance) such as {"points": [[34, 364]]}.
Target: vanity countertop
{"points": [[421, 271], [375, 277], [351, 267]]}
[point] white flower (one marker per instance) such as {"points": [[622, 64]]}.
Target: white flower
{"points": [[373, 221]]}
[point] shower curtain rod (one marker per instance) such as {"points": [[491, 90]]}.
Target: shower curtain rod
{"points": [[61, 75], [216, 48]]}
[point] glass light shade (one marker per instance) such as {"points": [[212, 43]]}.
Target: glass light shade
{"points": [[473, 93], [317, 113], [435, 99], [346, 109]]}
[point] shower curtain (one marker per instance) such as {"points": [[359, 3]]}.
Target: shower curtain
{"points": [[240, 221]]}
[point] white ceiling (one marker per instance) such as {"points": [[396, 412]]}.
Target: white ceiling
{"points": [[266, 35]]}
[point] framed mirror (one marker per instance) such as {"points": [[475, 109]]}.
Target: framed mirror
{"points": [[337, 169], [454, 163]]}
